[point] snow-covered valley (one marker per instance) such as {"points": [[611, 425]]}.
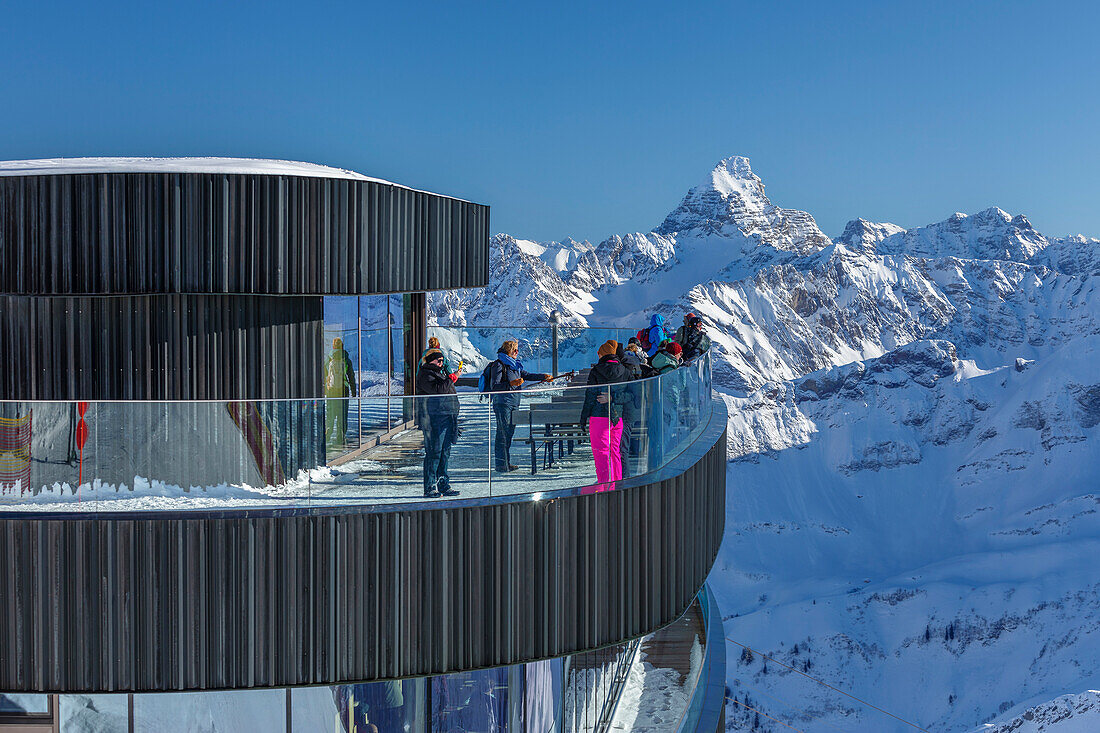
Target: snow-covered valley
{"points": [[914, 480]]}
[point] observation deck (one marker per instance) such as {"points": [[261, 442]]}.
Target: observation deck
{"points": [[184, 508]]}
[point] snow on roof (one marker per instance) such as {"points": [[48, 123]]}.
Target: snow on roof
{"points": [[59, 166]]}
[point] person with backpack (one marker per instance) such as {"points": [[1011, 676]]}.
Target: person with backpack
{"points": [[437, 415], [652, 337], [339, 384], [695, 341], [433, 345], [605, 410], [504, 377], [633, 358], [682, 331]]}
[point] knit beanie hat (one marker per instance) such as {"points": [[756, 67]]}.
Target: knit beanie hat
{"points": [[674, 348], [608, 349], [432, 354]]}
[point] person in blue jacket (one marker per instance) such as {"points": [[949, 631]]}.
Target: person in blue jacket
{"points": [[657, 334], [506, 376]]}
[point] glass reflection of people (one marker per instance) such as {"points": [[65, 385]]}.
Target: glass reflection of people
{"points": [[448, 372], [339, 383], [375, 707]]}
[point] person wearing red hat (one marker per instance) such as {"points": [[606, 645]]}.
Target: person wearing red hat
{"points": [[667, 357]]}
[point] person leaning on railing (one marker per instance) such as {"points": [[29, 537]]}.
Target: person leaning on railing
{"points": [[693, 338], [437, 414], [506, 376]]}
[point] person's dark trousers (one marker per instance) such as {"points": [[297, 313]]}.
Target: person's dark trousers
{"points": [[438, 439], [626, 449], [506, 428]]}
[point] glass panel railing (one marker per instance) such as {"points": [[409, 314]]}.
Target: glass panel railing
{"points": [[476, 346], [136, 456]]}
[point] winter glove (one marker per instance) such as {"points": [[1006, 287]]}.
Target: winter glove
{"points": [[453, 377], [547, 378], [516, 382]]}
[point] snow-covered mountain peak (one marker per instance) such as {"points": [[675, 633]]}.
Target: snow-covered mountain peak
{"points": [[731, 203], [860, 234], [734, 176]]}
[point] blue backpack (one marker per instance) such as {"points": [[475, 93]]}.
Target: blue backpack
{"points": [[483, 381]]}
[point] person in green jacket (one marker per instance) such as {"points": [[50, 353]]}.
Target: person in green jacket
{"points": [[339, 383], [667, 357], [682, 331]]}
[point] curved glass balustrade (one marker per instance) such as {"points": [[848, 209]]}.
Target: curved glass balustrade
{"points": [[184, 456]]}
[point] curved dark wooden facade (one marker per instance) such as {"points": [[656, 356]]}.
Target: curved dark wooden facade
{"points": [[245, 233], [161, 347], [206, 285], [145, 602]]}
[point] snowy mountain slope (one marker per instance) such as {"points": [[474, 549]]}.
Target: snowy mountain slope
{"points": [[526, 289], [924, 524], [1067, 714], [1077, 255], [913, 497]]}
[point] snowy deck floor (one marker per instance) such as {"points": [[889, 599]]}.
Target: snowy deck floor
{"points": [[663, 677]]}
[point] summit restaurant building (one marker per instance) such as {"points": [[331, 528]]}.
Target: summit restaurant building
{"points": [[212, 513]]}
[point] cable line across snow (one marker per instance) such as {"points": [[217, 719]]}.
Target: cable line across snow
{"points": [[783, 702], [826, 684], [761, 712]]}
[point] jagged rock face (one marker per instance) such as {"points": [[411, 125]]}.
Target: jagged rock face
{"points": [[1076, 255], [618, 259], [525, 291], [988, 235]]}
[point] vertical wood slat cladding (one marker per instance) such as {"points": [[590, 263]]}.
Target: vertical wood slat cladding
{"points": [[144, 604], [161, 347], [144, 233]]}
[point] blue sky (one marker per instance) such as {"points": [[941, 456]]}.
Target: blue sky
{"points": [[587, 119]]}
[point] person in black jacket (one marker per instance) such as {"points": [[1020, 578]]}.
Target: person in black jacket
{"points": [[605, 408], [437, 414], [695, 340], [506, 376]]}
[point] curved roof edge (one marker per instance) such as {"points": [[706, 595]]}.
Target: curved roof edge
{"points": [[225, 166]]}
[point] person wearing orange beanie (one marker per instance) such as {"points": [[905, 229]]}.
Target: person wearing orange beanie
{"points": [[603, 412]]}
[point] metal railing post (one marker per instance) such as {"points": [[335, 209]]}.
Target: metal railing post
{"points": [[555, 319]]}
